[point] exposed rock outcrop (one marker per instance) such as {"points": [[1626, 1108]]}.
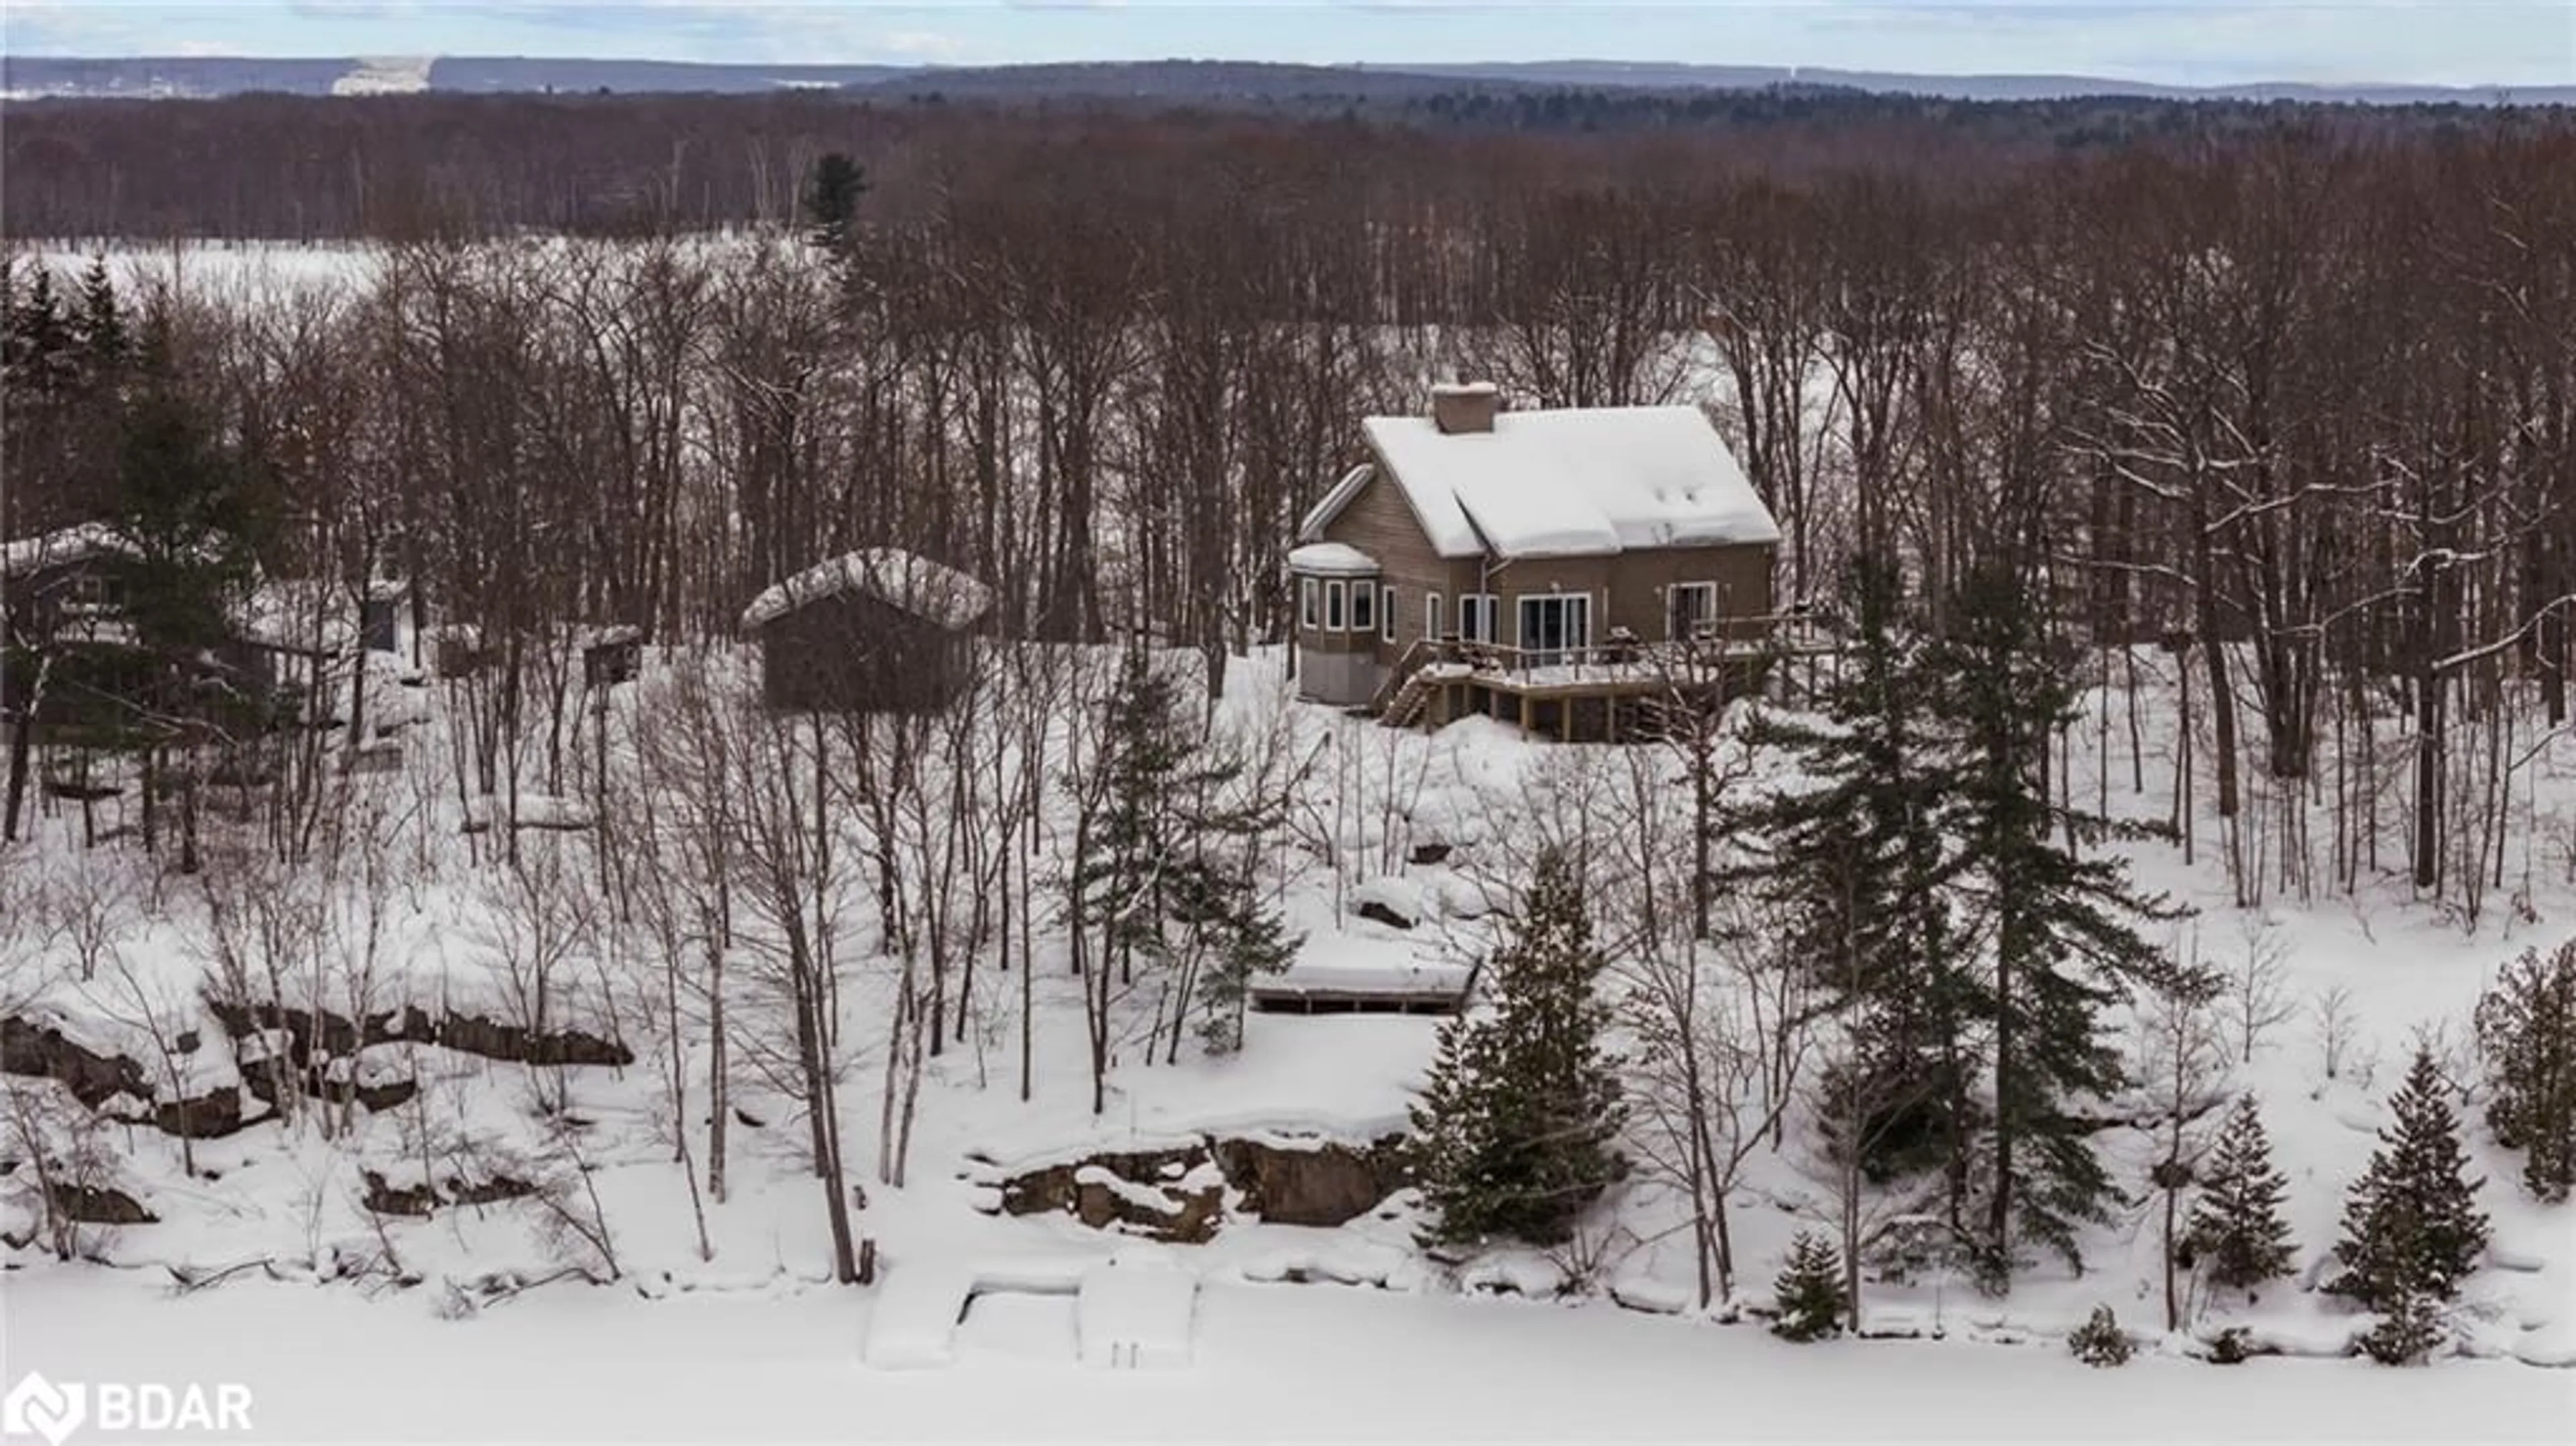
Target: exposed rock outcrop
{"points": [[123, 1088], [422, 1201], [99, 1205], [1182, 1194], [469, 1033], [43, 1051], [1323, 1182]]}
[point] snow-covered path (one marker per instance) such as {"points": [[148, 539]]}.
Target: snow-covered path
{"points": [[1273, 1362]]}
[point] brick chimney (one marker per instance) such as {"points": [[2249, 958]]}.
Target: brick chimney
{"points": [[1465, 406]]}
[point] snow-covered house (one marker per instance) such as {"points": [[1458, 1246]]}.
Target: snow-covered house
{"points": [[1524, 544], [877, 630]]}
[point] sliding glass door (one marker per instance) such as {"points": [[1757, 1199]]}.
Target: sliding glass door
{"points": [[1554, 628]]}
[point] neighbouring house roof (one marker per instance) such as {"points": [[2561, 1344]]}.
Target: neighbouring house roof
{"points": [[606, 635], [1332, 559], [899, 579], [297, 615], [26, 555], [1573, 482]]}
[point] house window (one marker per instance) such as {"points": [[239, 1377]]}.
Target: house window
{"points": [[1363, 607], [1307, 617], [1335, 620], [1431, 616], [87, 594], [1689, 609], [1386, 615], [1554, 626], [1479, 618]]}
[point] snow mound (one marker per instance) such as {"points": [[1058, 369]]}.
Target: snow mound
{"points": [[1137, 1312]]}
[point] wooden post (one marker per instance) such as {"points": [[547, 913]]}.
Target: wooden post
{"points": [[1565, 718], [1525, 712], [1610, 708]]}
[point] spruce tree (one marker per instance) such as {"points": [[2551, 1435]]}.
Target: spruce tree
{"points": [[1854, 855], [42, 355], [2527, 1031], [831, 201], [2236, 1228], [101, 325], [2411, 1227], [1517, 1128], [1167, 872], [1809, 1292], [1243, 939], [2066, 929]]}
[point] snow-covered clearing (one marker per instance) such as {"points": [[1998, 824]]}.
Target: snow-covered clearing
{"points": [[1272, 1362]]}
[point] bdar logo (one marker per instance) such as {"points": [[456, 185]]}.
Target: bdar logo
{"points": [[38, 1407]]}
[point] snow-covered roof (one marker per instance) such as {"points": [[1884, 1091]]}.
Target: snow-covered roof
{"points": [[1581, 481], [299, 615], [1332, 559], [1311, 529], [899, 579], [55, 549]]}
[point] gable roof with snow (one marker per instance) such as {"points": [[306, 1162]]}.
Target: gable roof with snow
{"points": [[80, 543], [901, 580], [1572, 482]]}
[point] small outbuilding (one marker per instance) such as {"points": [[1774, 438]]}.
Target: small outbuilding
{"points": [[877, 630], [610, 655]]}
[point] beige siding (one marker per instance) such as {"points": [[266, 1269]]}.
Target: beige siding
{"points": [[1380, 523], [1628, 590]]}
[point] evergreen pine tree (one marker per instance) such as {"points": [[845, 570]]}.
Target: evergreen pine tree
{"points": [[2527, 1031], [2409, 1327], [2411, 1226], [1245, 939], [1121, 877], [1809, 1292], [42, 353], [2236, 1228], [1518, 1125], [1167, 872], [101, 326], [831, 201], [1855, 856], [2066, 933]]}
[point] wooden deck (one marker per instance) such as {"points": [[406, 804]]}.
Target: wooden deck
{"points": [[1295, 999], [1592, 694]]}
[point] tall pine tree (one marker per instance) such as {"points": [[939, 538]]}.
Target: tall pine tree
{"points": [[2065, 930], [2236, 1234], [2412, 1230], [1854, 854], [1518, 1127], [1167, 872], [831, 202]]}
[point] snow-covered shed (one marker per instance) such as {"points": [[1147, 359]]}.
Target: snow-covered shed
{"points": [[1537, 536], [879, 629]]}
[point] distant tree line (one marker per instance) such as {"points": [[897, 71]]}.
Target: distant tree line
{"points": [[401, 166]]}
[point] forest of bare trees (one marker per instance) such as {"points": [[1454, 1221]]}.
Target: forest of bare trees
{"points": [[2295, 405]]}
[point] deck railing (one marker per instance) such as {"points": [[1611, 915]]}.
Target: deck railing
{"points": [[1731, 640]]}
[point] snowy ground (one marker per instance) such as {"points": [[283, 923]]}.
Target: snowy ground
{"points": [[1273, 1362], [751, 1344]]}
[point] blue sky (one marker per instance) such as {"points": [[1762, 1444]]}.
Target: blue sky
{"points": [[2463, 42]]}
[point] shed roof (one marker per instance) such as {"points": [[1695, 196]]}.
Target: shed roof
{"points": [[902, 580], [25, 555], [1580, 481]]}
